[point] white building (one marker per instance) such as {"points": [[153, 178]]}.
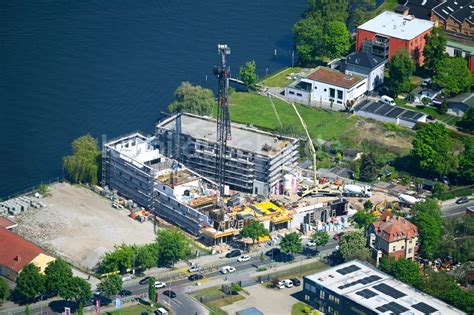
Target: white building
{"points": [[366, 65], [328, 86]]}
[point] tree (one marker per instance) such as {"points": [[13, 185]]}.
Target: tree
{"points": [[254, 230], [467, 121], [27, 310], [363, 219], [466, 162], [291, 243], [432, 150], [151, 289], [320, 238], [146, 255], [406, 271], [368, 205], [248, 74], [172, 245], [236, 288], [359, 12], [430, 226], [353, 246], [29, 283], [453, 75], [443, 107], [192, 99], [328, 10], [336, 39], [4, 291], [400, 69], [368, 167], [435, 49], [57, 274], [308, 35], [77, 289], [83, 165], [111, 285]]}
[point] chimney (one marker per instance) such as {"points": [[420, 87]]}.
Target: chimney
{"points": [[18, 258], [401, 9]]}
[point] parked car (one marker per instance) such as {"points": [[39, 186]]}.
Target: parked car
{"points": [[233, 253], [288, 283], [195, 277], [387, 100], [169, 293], [144, 281], [227, 269], [159, 284], [280, 285], [273, 252], [123, 293], [194, 268], [296, 282], [462, 200], [243, 258]]}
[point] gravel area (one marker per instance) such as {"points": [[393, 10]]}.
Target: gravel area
{"points": [[81, 226]]}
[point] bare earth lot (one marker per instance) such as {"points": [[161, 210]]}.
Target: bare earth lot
{"points": [[81, 226]]}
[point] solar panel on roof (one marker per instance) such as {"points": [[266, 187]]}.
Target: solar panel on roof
{"points": [[424, 308], [388, 290], [383, 110], [363, 281], [372, 108], [366, 293], [395, 112], [348, 269], [393, 307]]}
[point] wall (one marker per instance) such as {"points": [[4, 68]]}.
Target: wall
{"points": [[374, 77], [8, 273], [42, 260], [296, 95]]}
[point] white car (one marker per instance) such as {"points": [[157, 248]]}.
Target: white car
{"points": [[311, 244], [159, 284], [288, 283], [227, 269], [194, 268], [243, 258], [280, 285]]}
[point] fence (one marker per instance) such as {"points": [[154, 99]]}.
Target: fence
{"points": [[32, 189]]}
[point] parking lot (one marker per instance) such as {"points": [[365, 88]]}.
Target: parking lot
{"points": [[80, 225]]}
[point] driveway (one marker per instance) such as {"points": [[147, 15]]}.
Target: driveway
{"points": [[268, 301]]}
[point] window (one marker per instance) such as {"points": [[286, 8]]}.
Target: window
{"points": [[307, 287], [322, 295], [291, 93], [306, 298], [339, 94], [325, 90], [332, 92], [315, 87], [403, 247], [393, 248], [299, 94], [457, 53], [409, 251]]}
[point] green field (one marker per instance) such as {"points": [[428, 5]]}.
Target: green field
{"points": [[280, 79], [133, 310]]}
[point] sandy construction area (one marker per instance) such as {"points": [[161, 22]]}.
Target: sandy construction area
{"points": [[81, 226]]}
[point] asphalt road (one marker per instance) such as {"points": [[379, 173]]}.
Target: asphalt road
{"points": [[454, 209]]}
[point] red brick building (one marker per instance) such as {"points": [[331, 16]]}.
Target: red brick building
{"points": [[393, 236], [389, 32]]}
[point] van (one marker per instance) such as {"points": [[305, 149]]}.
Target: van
{"points": [[161, 311], [387, 100]]}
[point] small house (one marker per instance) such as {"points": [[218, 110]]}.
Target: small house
{"points": [[366, 65]]}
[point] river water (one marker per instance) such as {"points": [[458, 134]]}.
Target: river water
{"points": [[109, 67]]}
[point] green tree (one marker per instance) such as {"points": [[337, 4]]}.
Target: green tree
{"points": [[110, 285], [236, 288], [83, 165], [151, 289], [368, 205], [248, 74], [466, 161], [29, 283], [430, 226], [368, 168], [443, 107], [432, 150], [254, 230], [4, 291], [453, 75], [146, 256], [406, 271], [359, 12], [172, 245], [308, 35], [80, 308], [192, 99], [435, 49], [327, 10], [336, 39], [467, 121], [291, 243], [400, 68], [57, 274], [363, 219], [77, 289], [320, 238], [353, 246], [27, 310], [439, 189]]}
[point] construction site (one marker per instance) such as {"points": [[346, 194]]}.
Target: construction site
{"points": [[211, 184]]}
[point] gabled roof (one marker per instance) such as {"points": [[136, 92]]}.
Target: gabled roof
{"points": [[422, 8], [459, 10], [364, 59], [15, 251], [395, 228]]}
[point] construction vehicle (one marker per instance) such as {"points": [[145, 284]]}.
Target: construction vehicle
{"points": [[324, 188], [357, 191]]}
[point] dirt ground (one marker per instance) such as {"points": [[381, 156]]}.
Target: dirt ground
{"points": [[81, 226]]}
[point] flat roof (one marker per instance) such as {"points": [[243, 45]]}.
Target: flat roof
{"points": [[386, 110], [334, 77], [378, 291], [244, 138], [396, 25]]}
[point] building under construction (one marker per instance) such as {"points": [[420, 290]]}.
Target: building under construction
{"points": [[255, 160]]}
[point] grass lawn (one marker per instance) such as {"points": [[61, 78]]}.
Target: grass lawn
{"points": [[298, 309], [387, 5], [280, 79], [215, 305], [208, 293], [133, 310]]}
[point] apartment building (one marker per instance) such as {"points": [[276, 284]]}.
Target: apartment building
{"points": [[255, 160]]}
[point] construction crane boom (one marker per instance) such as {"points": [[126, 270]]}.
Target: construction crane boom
{"points": [[311, 145]]}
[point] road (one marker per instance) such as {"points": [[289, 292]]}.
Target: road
{"points": [[183, 303], [453, 209]]}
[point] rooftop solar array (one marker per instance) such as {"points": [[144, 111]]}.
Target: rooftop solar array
{"points": [[386, 110], [388, 290], [393, 307], [424, 308], [348, 269], [366, 293], [362, 281]]}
